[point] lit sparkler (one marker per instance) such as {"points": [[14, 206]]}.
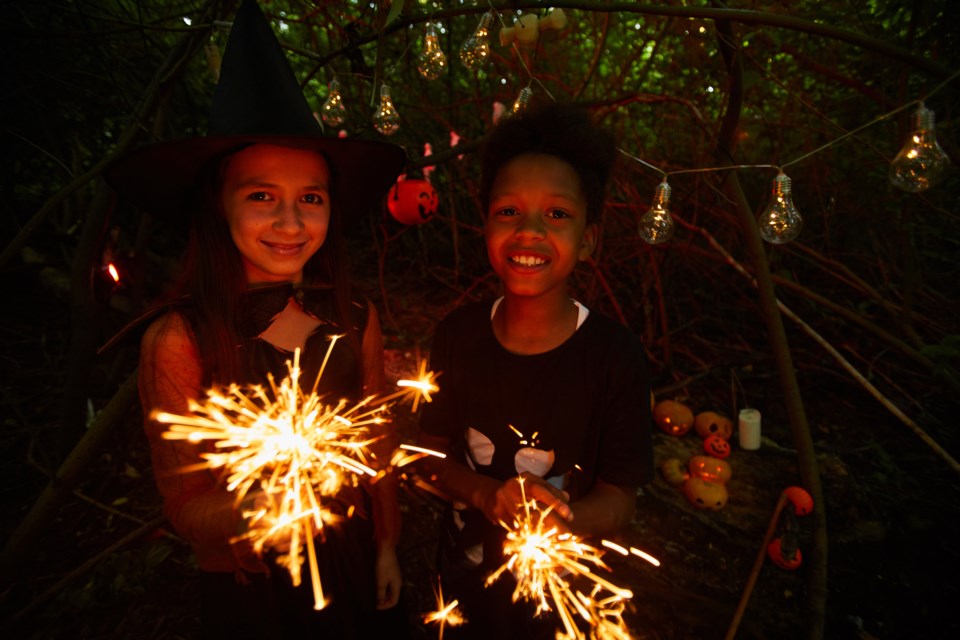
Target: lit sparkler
{"points": [[446, 614], [286, 449], [422, 387], [544, 561]]}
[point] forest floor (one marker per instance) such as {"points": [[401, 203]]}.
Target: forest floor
{"points": [[891, 507]]}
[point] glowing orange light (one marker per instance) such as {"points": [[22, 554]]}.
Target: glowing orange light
{"points": [[541, 558], [112, 270]]}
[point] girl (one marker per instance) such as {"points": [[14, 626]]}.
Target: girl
{"points": [[264, 275], [534, 384]]}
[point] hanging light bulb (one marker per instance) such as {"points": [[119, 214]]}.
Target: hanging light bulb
{"points": [[523, 99], [386, 120], [333, 112], [432, 60], [780, 222], [921, 162], [476, 48], [657, 225]]}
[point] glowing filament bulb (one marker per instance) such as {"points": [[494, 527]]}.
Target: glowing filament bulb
{"points": [[333, 112], [780, 222], [476, 48], [386, 120], [657, 225], [921, 162], [521, 102], [432, 60]]}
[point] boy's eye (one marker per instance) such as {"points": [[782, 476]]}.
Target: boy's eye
{"points": [[557, 214], [507, 211]]}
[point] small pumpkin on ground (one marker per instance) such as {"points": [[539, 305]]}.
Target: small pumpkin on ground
{"points": [[704, 494], [710, 423], [673, 417]]}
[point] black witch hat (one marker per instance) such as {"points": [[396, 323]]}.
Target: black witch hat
{"points": [[257, 100]]}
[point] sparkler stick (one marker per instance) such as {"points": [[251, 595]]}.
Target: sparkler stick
{"points": [[541, 559]]}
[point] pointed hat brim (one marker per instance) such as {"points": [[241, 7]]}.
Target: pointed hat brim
{"points": [[257, 101]]}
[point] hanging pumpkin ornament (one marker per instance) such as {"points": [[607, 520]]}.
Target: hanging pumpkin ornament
{"points": [[710, 469], [704, 494], [412, 200], [673, 417], [708, 423]]}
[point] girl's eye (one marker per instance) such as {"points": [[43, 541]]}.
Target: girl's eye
{"points": [[557, 214], [507, 211], [259, 196], [313, 198]]}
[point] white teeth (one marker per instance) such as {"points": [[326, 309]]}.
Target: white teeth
{"points": [[528, 261]]}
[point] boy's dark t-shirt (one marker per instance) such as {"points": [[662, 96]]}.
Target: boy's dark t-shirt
{"points": [[572, 415]]}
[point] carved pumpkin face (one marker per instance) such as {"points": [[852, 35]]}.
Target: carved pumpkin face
{"points": [[704, 494], [708, 423], [710, 468], [673, 417], [717, 447], [412, 201]]}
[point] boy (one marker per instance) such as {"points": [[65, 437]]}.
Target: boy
{"points": [[534, 384]]}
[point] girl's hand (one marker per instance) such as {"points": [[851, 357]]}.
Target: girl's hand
{"points": [[506, 502], [389, 579]]}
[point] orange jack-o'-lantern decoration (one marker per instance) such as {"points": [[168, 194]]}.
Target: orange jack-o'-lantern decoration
{"points": [[412, 201], [673, 471], [782, 557], [704, 494], [717, 447], [801, 500], [710, 468], [673, 417], [708, 423]]}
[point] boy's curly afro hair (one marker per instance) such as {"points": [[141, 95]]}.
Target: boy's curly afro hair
{"points": [[564, 130]]}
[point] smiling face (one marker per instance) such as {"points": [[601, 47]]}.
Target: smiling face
{"points": [[276, 201], [536, 228]]}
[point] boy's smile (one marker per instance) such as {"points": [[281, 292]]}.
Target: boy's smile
{"points": [[536, 228]]}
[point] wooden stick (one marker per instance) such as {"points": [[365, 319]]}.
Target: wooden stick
{"points": [[757, 564]]}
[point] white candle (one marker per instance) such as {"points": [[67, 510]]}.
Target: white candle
{"points": [[749, 429]]}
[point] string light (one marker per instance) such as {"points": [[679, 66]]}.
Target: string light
{"points": [[921, 162], [780, 222], [333, 112], [656, 225], [432, 60], [520, 104], [476, 48], [386, 120]]}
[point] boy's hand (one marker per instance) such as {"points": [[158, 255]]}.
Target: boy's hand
{"points": [[506, 503]]}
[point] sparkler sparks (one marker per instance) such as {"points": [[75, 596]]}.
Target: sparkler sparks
{"points": [[422, 387], [545, 561], [446, 613], [287, 450]]}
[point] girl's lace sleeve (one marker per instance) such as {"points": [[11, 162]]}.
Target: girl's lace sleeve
{"points": [[170, 375]]}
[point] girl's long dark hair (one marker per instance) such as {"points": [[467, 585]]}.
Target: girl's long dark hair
{"points": [[214, 280]]}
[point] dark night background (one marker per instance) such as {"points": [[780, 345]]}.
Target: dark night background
{"points": [[826, 88]]}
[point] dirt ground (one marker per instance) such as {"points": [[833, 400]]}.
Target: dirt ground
{"points": [[891, 508]]}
